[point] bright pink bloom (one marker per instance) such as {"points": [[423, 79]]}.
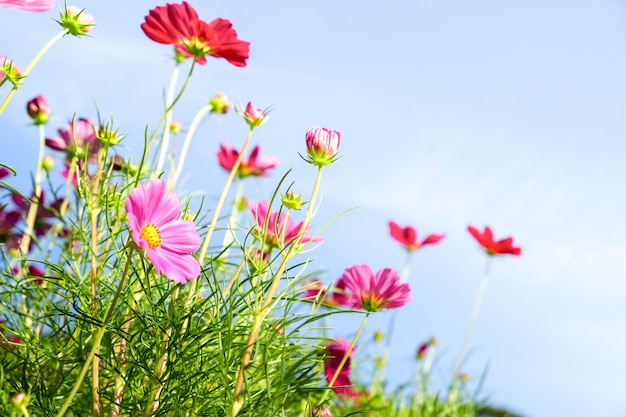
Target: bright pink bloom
{"points": [[321, 411], [254, 166], [38, 110], [179, 25], [77, 140], [28, 5], [336, 350], [491, 246], [332, 297], [407, 236], [254, 116], [281, 228], [45, 213], [375, 292], [4, 172], [152, 215], [322, 145]]}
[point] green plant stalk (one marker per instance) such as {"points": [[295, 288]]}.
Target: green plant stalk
{"points": [[97, 340], [260, 317], [93, 214], [406, 270], [30, 66], [168, 119], [472, 322], [229, 236], [344, 359], [183, 152], [34, 206], [216, 213]]}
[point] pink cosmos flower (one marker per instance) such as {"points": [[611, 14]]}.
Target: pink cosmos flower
{"points": [[281, 228], [4, 172], [317, 292], [77, 21], [168, 242], [77, 140], [322, 145], [45, 213], [28, 5], [254, 116], [491, 246], [407, 236], [335, 352], [179, 25], [254, 166], [375, 292], [321, 411]]}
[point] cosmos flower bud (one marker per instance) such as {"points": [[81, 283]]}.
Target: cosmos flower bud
{"points": [[254, 116], [76, 21], [292, 201], [38, 110], [220, 104], [9, 71], [322, 145]]}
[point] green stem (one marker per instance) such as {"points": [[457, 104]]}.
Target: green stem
{"points": [[30, 66], [185, 148], [216, 213], [472, 322], [32, 210], [344, 359], [97, 341]]}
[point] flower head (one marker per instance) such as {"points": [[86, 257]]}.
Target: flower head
{"points": [[426, 347], [76, 21], [292, 200], [491, 246], [168, 242], [38, 110], [254, 166], [316, 291], [322, 145], [9, 70], [220, 104], [281, 228], [336, 350], [254, 116], [28, 5], [78, 140], [407, 237], [375, 292], [179, 25], [321, 411]]}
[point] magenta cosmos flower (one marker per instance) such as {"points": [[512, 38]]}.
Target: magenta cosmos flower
{"points": [[28, 5], [336, 350], [322, 145], [78, 140], [254, 166], [407, 236], [375, 292], [168, 242], [492, 246], [254, 116], [281, 228], [179, 25]]}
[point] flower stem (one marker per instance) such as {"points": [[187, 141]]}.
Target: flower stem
{"points": [[216, 212], [97, 340], [472, 322], [260, 316], [185, 148], [344, 359], [30, 66], [34, 206], [168, 119]]}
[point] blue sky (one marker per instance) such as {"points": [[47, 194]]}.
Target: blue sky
{"points": [[452, 113]]}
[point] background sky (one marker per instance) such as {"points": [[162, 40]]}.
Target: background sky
{"points": [[508, 114]]}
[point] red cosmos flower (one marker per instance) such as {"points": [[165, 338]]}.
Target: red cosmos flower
{"points": [[179, 25], [375, 292], [491, 246], [335, 352], [407, 236], [254, 166]]}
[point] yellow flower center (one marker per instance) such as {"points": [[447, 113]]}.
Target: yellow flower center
{"points": [[151, 234]]}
